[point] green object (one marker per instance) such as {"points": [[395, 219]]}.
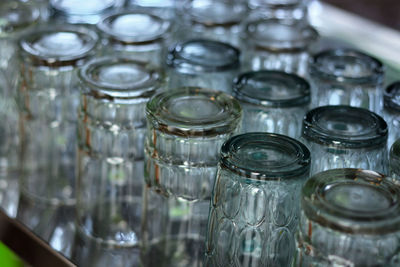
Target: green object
{"points": [[8, 258]]}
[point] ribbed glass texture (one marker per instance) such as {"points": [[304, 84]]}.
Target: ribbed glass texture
{"points": [[254, 207], [274, 44], [394, 160], [186, 128], [345, 137], [347, 77], [111, 127], [203, 63], [146, 41], [219, 20], [391, 111], [349, 217], [272, 101]]}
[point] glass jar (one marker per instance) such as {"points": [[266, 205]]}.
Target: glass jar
{"points": [[48, 99], [394, 160], [345, 137], [76, 11], [16, 18], [272, 101], [203, 63], [111, 129], [219, 20], [391, 111], [274, 44], [146, 41], [280, 9], [186, 128], [349, 217], [163, 8], [254, 206], [347, 77]]}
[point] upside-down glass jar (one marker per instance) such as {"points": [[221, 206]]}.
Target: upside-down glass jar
{"points": [[349, 217], [254, 207], [273, 44], [186, 128], [345, 137], [347, 77], [147, 40], [203, 63], [111, 130], [391, 111], [88, 12], [272, 101], [219, 20], [48, 99]]}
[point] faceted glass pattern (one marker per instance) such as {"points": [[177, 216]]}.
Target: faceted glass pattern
{"points": [[254, 208], [349, 217]]}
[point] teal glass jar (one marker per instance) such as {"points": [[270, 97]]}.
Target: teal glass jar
{"points": [[272, 101], [254, 207], [186, 129], [349, 217], [345, 137]]}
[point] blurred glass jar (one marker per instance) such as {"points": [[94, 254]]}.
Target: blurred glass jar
{"points": [[111, 129], [272, 101], [77, 11], [349, 217], [203, 63], [254, 207], [345, 137], [391, 111], [147, 40], [163, 8], [186, 128], [347, 77], [280, 9], [274, 44], [219, 20], [48, 100], [394, 160]]}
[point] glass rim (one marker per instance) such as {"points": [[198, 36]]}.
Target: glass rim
{"points": [[390, 92], [297, 167], [185, 65], [11, 26], [104, 28], [271, 44], [376, 75], [312, 131], [302, 99], [225, 121], [61, 60], [138, 90], [57, 7], [332, 215]]}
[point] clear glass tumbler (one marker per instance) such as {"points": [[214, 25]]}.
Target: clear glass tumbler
{"points": [[391, 111], [147, 40], [48, 99], [203, 63], [272, 101], [347, 77], [345, 137], [111, 130], [349, 217], [219, 20], [254, 208], [77, 11], [186, 129], [274, 44], [394, 160]]}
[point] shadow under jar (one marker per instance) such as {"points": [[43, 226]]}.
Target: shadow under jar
{"points": [[391, 111], [254, 207], [77, 11], [186, 128], [349, 217], [347, 77], [111, 129], [219, 20], [203, 63], [274, 44], [345, 137], [146, 40], [272, 101]]}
